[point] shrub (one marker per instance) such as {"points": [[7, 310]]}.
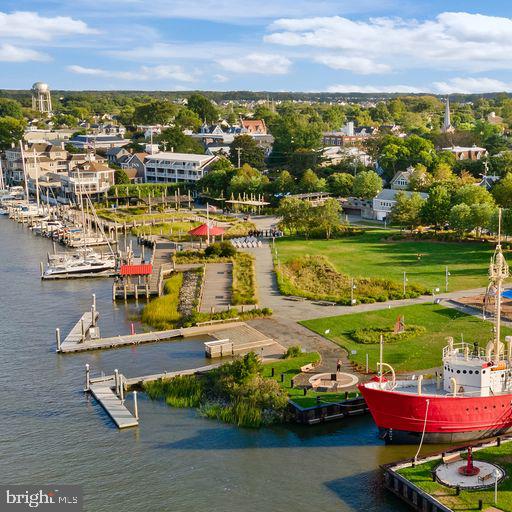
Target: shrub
{"points": [[293, 351], [162, 313], [223, 249], [369, 335]]}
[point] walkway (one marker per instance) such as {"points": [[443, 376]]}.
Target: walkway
{"points": [[216, 294]]}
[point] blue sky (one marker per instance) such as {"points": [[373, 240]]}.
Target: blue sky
{"points": [[277, 45]]}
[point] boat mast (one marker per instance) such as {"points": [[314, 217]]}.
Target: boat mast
{"points": [[498, 272], [36, 168], [2, 184], [27, 197]]}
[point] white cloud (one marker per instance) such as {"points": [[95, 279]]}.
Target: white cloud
{"points": [[261, 63], [471, 85], [33, 27], [453, 40], [346, 88], [144, 73], [359, 65], [11, 53], [220, 78]]}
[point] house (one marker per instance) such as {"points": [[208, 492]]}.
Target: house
{"points": [[134, 161], [333, 155], [492, 118], [383, 203], [166, 167], [254, 126], [348, 135], [92, 178], [217, 148], [401, 179], [98, 141], [114, 154], [488, 181], [467, 153]]}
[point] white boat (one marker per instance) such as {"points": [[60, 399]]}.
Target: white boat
{"points": [[79, 264]]}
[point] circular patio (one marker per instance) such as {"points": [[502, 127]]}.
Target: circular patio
{"points": [[332, 381], [449, 475]]}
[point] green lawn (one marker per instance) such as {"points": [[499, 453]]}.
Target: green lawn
{"points": [[370, 255], [468, 500], [420, 352], [291, 368]]}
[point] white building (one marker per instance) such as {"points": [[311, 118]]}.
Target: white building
{"points": [[383, 203], [166, 167]]}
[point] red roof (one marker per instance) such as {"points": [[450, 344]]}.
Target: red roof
{"points": [[203, 230], [136, 270]]}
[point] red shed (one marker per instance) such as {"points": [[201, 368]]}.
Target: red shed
{"points": [[136, 270]]}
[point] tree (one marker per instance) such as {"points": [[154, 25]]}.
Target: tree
{"points": [[367, 185], [436, 208], [482, 216], [340, 184], [407, 209], [443, 173], [502, 191], [121, 178], [203, 107], [10, 108], [284, 183], [471, 194], [11, 131], [186, 119], [460, 218], [155, 112], [294, 214], [250, 152], [174, 139], [218, 177], [247, 180], [327, 216], [310, 182], [420, 179]]}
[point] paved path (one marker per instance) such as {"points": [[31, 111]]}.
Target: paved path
{"points": [[218, 278]]}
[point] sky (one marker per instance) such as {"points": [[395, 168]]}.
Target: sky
{"points": [[370, 46]]}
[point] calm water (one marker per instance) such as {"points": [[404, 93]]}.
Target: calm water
{"points": [[50, 433]]}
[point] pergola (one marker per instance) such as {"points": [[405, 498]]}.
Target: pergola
{"points": [[204, 230]]}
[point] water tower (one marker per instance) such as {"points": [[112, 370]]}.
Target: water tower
{"points": [[41, 98]]}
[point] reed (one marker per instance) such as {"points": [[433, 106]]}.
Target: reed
{"points": [[244, 280], [162, 313]]}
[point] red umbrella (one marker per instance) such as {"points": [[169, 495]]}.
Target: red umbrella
{"points": [[203, 230]]}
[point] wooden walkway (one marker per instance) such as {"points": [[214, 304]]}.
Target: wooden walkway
{"points": [[80, 332], [216, 292], [76, 345], [102, 390]]}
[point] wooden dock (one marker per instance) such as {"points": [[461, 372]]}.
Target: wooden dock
{"points": [[103, 392], [82, 330], [74, 343]]}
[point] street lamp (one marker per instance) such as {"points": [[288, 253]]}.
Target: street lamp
{"points": [[405, 282], [446, 276], [434, 291], [352, 288], [496, 476]]}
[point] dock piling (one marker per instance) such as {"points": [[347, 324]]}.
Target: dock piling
{"points": [[93, 311], [135, 406], [121, 388], [57, 337], [41, 267], [116, 380], [87, 377]]}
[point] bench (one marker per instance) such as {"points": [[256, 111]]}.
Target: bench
{"points": [[449, 459], [484, 478]]}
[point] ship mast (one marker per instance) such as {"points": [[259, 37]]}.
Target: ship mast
{"points": [[498, 272]]}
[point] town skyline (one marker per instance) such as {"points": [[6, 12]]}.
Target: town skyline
{"points": [[331, 46]]}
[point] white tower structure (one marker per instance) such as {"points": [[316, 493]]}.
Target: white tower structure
{"points": [[41, 98], [447, 123]]}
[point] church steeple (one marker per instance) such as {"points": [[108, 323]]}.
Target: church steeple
{"points": [[447, 124]]}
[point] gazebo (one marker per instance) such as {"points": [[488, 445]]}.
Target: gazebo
{"points": [[204, 230]]}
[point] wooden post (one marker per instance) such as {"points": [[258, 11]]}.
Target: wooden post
{"points": [[135, 406], [116, 380], [41, 266], [121, 388], [83, 329], [93, 310], [57, 337], [87, 377]]}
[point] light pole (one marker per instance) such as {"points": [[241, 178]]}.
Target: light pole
{"points": [[405, 282], [446, 276], [352, 288], [434, 291], [496, 476]]}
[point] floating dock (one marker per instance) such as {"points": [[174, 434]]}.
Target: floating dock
{"points": [[103, 391]]}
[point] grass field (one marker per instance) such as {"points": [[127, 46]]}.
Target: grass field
{"points": [[468, 500], [370, 255], [420, 352]]}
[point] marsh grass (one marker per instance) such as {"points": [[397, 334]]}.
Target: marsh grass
{"points": [[162, 313], [244, 280]]}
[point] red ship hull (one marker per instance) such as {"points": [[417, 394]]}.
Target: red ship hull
{"points": [[401, 416]]}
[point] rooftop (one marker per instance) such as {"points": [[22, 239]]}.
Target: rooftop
{"points": [[186, 157]]}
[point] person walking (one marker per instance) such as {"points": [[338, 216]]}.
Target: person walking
{"points": [[338, 366]]}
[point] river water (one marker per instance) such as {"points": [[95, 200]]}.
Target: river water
{"points": [[51, 433]]}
